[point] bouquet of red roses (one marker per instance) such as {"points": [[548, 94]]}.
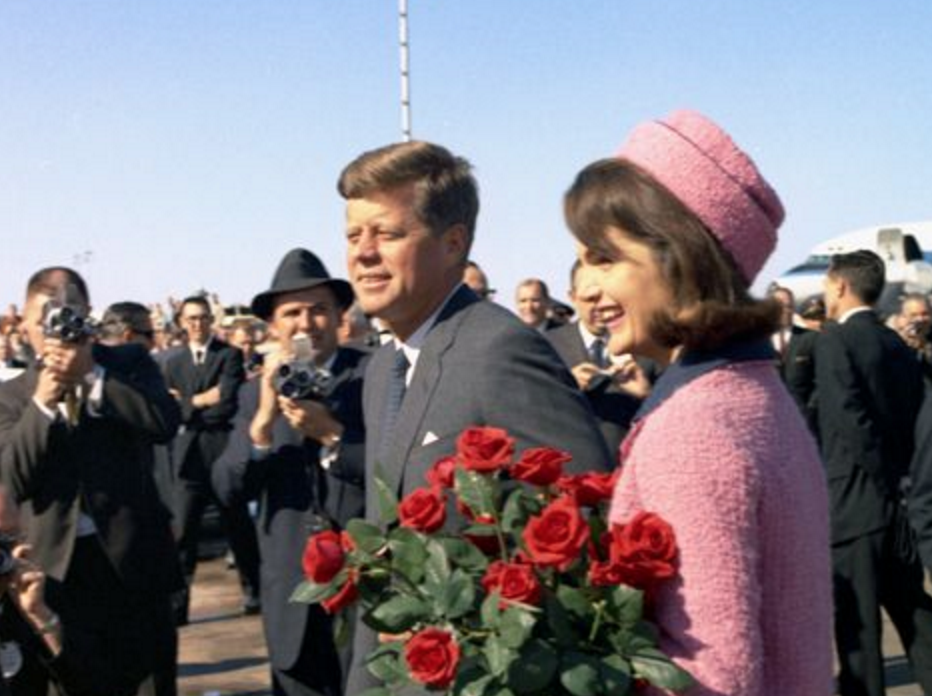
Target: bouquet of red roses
{"points": [[532, 594]]}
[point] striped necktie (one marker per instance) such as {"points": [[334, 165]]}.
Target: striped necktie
{"points": [[395, 396]]}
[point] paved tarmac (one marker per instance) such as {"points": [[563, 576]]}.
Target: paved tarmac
{"points": [[222, 652]]}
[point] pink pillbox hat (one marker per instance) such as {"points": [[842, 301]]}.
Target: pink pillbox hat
{"points": [[700, 164]]}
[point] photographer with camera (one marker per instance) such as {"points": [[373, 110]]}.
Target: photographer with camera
{"points": [[76, 435], [914, 325], [298, 446]]}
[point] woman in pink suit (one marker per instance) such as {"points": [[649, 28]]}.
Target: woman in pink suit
{"points": [[679, 224]]}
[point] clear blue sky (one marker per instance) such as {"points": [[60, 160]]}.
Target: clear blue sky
{"points": [[191, 143]]}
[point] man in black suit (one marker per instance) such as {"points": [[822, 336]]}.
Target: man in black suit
{"points": [[868, 391], [205, 377], [304, 459], [614, 388], [455, 361], [76, 436]]}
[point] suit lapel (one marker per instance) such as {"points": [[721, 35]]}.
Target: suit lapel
{"points": [[427, 375]]}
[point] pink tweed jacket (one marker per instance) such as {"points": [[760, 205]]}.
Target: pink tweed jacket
{"points": [[728, 461]]}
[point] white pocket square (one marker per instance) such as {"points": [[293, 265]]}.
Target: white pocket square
{"points": [[429, 438]]}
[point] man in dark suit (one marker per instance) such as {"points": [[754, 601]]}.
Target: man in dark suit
{"points": [[205, 378], [76, 436], [455, 360], [614, 387], [868, 391], [303, 458]]}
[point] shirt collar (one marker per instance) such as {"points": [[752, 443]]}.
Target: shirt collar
{"points": [[851, 312], [693, 364], [588, 337], [412, 347]]}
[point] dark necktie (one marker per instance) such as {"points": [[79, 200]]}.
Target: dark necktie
{"points": [[393, 399], [597, 353]]}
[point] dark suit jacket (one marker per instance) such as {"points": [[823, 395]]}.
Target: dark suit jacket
{"points": [[868, 391], [799, 372], [478, 366], [105, 463], [614, 408], [206, 430], [294, 493]]}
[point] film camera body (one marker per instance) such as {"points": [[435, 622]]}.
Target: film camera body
{"points": [[300, 378], [67, 322]]}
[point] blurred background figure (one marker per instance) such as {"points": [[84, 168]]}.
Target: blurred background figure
{"points": [[914, 325], [532, 302], [354, 327], [799, 365], [127, 322], [781, 338], [477, 281]]}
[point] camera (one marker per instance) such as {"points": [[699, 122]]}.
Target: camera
{"points": [[68, 323], [7, 560], [301, 380], [915, 329]]}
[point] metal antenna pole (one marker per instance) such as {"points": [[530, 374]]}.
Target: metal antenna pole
{"points": [[405, 74]]}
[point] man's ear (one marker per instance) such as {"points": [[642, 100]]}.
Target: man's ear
{"points": [[456, 240]]}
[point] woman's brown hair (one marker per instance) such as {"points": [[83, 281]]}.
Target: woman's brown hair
{"points": [[711, 303]]}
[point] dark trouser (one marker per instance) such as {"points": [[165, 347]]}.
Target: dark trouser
{"points": [[191, 501], [868, 575], [317, 671], [119, 642]]}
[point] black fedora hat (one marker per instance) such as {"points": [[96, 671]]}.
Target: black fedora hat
{"points": [[300, 270]]}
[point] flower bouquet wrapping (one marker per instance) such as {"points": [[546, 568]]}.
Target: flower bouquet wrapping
{"points": [[501, 577]]}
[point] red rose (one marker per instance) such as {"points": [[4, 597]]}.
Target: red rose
{"points": [[540, 466], [606, 574], [347, 542], [484, 449], [557, 535], [432, 656], [346, 596], [323, 557], [589, 489], [515, 582], [424, 510], [645, 550], [441, 473]]}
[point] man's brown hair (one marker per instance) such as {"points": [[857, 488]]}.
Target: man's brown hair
{"points": [[446, 193]]}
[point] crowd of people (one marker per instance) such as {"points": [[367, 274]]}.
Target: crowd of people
{"points": [[787, 444]]}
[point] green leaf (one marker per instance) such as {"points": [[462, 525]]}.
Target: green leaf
{"points": [[481, 530], [409, 553], [464, 554], [615, 674], [489, 612], [311, 593], [457, 596], [498, 656], [397, 614], [504, 691], [558, 619], [651, 664], [516, 626], [579, 673], [515, 514], [476, 491], [342, 630], [437, 568], [367, 537], [476, 687], [386, 497], [386, 664], [626, 604], [534, 669], [576, 602]]}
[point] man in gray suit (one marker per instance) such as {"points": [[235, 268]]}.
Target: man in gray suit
{"points": [[455, 361]]}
